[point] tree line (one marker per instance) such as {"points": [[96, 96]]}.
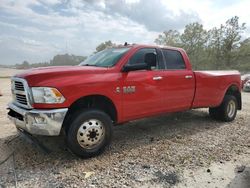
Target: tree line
{"points": [[218, 48], [58, 60]]}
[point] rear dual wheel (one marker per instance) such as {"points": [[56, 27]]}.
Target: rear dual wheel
{"points": [[226, 111]]}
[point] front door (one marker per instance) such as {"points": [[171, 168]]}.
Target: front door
{"points": [[141, 89]]}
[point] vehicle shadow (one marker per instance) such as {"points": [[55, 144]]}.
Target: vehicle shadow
{"points": [[127, 137], [168, 126]]}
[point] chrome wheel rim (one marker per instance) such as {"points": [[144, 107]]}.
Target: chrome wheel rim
{"points": [[231, 107], [90, 134]]}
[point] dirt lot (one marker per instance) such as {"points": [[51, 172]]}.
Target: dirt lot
{"points": [[186, 149], [7, 72]]}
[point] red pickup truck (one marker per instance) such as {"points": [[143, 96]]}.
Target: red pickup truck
{"points": [[114, 86]]}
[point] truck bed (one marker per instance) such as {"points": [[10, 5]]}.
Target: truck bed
{"points": [[211, 86]]}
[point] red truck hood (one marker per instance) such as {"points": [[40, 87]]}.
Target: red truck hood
{"points": [[38, 75]]}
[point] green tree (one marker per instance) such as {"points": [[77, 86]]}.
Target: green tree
{"points": [[24, 65], [243, 58], [104, 45], [169, 38], [58, 60], [217, 48], [214, 47], [231, 39], [66, 59], [194, 37], [194, 41], [224, 43]]}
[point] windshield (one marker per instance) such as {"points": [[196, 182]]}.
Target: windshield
{"points": [[105, 58]]}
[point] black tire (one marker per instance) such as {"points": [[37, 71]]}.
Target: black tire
{"points": [[226, 111], [74, 134]]}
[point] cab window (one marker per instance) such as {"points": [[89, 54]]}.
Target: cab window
{"points": [[173, 59]]}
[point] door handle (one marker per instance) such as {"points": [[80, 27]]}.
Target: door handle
{"points": [[157, 78], [188, 76]]}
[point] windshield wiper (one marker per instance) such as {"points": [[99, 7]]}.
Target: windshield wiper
{"points": [[88, 65], [93, 65]]}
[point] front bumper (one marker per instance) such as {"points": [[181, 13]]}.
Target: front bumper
{"points": [[38, 122]]}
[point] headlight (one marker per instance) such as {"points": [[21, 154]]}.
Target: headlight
{"points": [[47, 95]]}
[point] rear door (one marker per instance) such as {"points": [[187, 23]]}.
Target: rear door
{"points": [[179, 82]]}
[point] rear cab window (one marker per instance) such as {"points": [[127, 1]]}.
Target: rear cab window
{"points": [[173, 59]]}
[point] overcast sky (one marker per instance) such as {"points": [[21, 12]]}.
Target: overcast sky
{"points": [[36, 30]]}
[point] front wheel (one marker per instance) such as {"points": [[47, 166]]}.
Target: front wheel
{"points": [[89, 133], [226, 111]]}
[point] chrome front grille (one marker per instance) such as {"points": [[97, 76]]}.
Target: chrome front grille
{"points": [[19, 86], [21, 99], [21, 92]]}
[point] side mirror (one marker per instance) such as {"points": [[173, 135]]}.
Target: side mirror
{"points": [[137, 66]]}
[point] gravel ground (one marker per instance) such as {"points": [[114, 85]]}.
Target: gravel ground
{"points": [[165, 151]]}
